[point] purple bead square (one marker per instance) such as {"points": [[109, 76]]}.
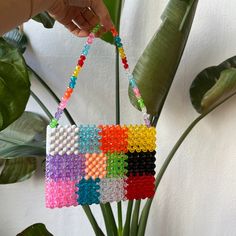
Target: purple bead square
{"points": [[65, 167]]}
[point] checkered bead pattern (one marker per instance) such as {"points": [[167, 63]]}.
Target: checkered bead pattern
{"points": [[92, 164]]}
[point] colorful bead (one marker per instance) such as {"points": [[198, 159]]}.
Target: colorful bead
{"points": [[123, 59], [85, 52], [117, 39], [140, 187], [73, 79], [89, 164], [141, 138], [112, 190], [82, 57], [95, 165], [141, 163], [96, 29], [60, 193], [110, 134], [89, 139], [54, 123], [88, 191], [116, 165], [132, 83], [141, 103], [119, 45], [124, 172]]}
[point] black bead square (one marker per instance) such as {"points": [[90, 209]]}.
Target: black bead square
{"points": [[141, 163]]}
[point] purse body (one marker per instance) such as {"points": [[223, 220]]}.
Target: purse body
{"points": [[93, 164]]}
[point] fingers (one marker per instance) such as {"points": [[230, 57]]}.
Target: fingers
{"points": [[81, 21], [80, 3], [80, 16], [100, 9], [90, 17], [77, 31]]}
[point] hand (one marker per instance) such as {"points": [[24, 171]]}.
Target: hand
{"points": [[80, 16]]}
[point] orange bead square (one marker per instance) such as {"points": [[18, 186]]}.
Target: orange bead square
{"points": [[96, 164]]}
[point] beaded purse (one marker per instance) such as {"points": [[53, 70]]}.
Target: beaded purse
{"points": [[89, 164]]}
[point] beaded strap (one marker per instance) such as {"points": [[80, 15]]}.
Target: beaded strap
{"points": [[73, 78]]}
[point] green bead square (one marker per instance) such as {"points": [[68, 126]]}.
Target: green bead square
{"points": [[116, 165]]}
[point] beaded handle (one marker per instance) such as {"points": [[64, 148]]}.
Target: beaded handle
{"points": [[69, 90]]}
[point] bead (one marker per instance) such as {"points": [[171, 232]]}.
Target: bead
{"points": [[80, 63], [87, 47], [132, 83], [85, 52], [119, 45], [141, 103], [67, 95], [126, 66], [114, 32], [82, 57], [73, 79], [54, 123], [90, 41], [92, 35], [75, 73], [96, 29], [136, 92], [117, 39], [87, 165], [124, 60]]}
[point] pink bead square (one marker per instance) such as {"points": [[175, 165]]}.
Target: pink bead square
{"points": [[61, 193]]}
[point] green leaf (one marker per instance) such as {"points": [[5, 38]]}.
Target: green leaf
{"points": [[38, 229], [45, 19], [213, 84], [126, 231], [25, 137], [17, 39], [14, 84], [156, 68], [17, 170], [114, 8]]}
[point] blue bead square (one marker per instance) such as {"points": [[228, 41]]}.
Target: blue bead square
{"points": [[89, 139], [88, 192]]}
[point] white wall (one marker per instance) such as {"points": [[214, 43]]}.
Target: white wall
{"points": [[197, 195]]}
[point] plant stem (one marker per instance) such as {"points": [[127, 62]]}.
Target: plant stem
{"points": [[135, 218], [120, 223], [106, 220], [119, 204], [111, 218], [67, 114], [154, 121], [126, 230], [146, 209], [44, 108], [97, 230]]}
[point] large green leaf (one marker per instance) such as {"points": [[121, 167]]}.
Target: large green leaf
{"points": [[45, 19], [38, 229], [25, 137], [157, 66], [213, 84], [17, 170], [17, 39], [14, 84], [114, 8]]}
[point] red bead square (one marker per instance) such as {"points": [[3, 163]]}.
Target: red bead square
{"points": [[140, 187]]}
